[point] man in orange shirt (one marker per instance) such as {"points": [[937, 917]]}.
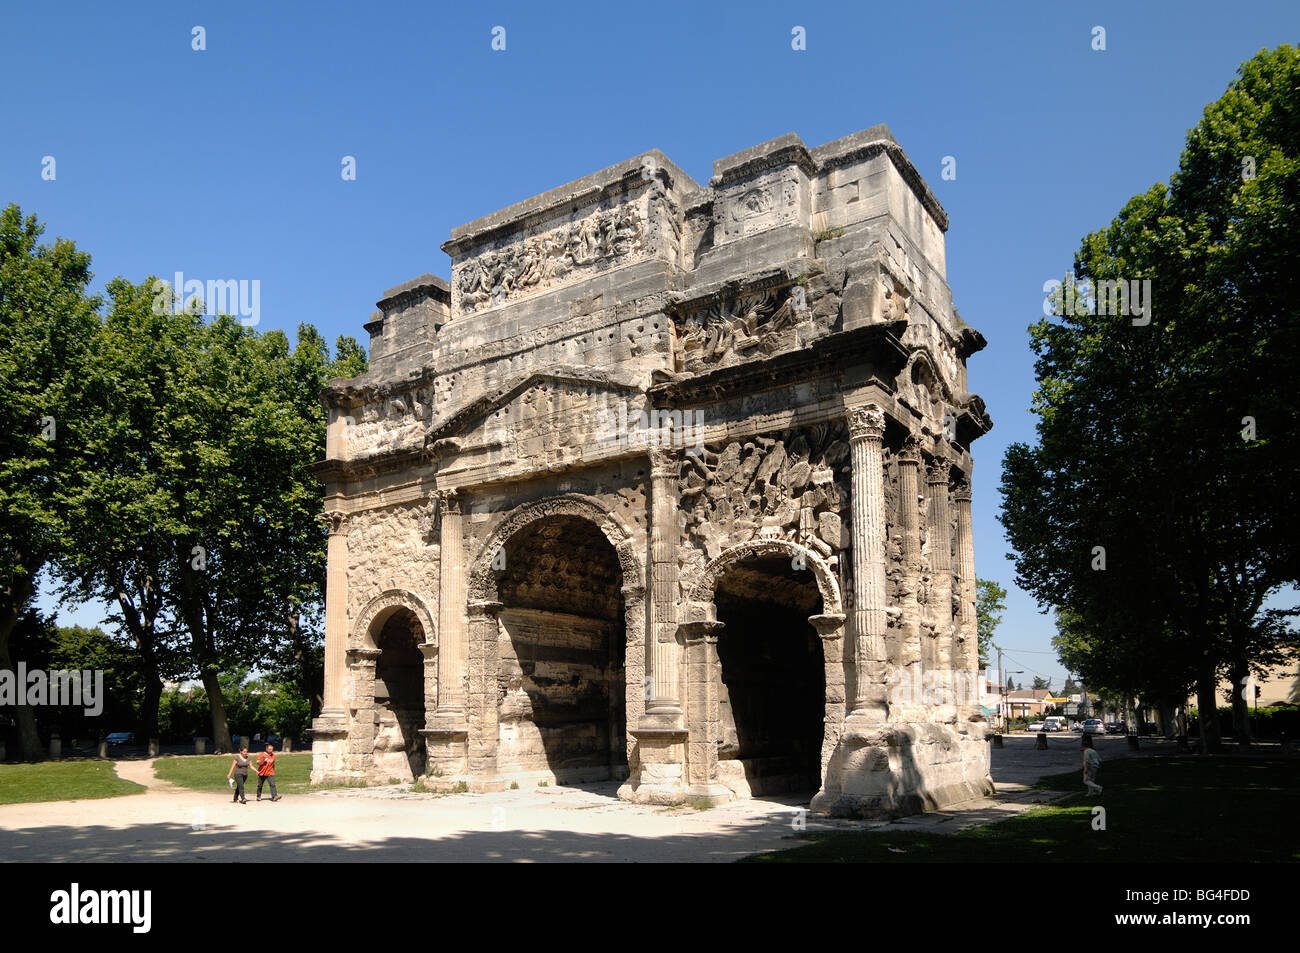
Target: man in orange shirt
{"points": [[266, 772]]}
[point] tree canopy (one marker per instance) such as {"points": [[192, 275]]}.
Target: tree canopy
{"points": [[1156, 508]]}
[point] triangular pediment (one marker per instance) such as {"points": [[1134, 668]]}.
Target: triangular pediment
{"points": [[469, 415]]}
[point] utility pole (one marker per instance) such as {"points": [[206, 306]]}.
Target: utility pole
{"points": [[1002, 688]]}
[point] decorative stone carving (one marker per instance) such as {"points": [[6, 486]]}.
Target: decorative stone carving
{"points": [[737, 329], [560, 254], [787, 486]]}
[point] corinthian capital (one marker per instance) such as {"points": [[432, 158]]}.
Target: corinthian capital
{"points": [[939, 470], [449, 501], [866, 423], [336, 522], [665, 463]]}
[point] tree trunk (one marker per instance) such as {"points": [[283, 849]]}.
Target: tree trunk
{"points": [[1208, 712], [217, 708], [16, 598], [153, 688], [1167, 725]]}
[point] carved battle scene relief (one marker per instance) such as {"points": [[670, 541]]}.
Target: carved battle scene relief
{"points": [[541, 261], [791, 486], [751, 325]]}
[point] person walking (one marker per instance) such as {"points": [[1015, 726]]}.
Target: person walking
{"points": [[1091, 762], [239, 771], [266, 772]]}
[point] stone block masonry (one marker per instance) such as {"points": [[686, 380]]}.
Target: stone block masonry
{"points": [[520, 591]]}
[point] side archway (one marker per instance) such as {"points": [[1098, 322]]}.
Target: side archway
{"points": [[379, 609], [393, 672]]}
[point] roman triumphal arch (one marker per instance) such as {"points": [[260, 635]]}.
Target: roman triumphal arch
{"points": [[668, 486]]}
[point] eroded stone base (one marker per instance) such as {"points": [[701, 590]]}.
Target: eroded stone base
{"points": [[905, 768]]}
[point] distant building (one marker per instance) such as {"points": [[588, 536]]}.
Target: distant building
{"points": [[1028, 702]]}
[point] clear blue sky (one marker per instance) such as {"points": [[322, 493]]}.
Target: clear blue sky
{"points": [[226, 163]]}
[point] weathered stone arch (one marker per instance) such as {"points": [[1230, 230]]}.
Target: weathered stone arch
{"points": [[483, 579], [376, 613], [701, 593]]}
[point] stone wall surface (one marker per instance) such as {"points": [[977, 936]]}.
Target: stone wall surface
{"points": [[684, 437]]}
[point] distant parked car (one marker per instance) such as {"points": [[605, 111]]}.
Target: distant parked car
{"points": [[1094, 726], [1115, 728], [1074, 725], [120, 738], [1037, 726], [1054, 723]]}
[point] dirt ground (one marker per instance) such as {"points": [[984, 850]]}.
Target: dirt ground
{"points": [[586, 823]]}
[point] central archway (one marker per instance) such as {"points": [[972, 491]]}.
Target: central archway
{"points": [[567, 591]]}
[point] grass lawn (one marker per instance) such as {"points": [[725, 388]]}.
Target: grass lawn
{"points": [[1178, 810], [207, 772], [61, 781]]}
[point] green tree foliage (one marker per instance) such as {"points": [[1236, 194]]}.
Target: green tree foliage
{"points": [[47, 321], [45, 646], [990, 603], [1157, 507], [198, 518]]}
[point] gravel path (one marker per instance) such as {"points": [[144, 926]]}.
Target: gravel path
{"points": [[169, 823]]}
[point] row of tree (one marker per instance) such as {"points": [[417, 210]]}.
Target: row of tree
{"points": [[155, 460], [1157, 510], [182, 712]]}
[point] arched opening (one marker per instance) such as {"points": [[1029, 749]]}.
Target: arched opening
{"points": [[772, 697], [562, 713], [399, 695]]}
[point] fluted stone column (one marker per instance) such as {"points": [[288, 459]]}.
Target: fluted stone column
{"points": [[966, 658], [452, 642], [331, 757], [867, 499], [909, 655], [938, 517], [446, 729], [336, 615], [664, 707]]}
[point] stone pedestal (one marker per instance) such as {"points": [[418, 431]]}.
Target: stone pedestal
{"points": [[329, 737], [897, 769], [446, 738], [660, 778]]}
